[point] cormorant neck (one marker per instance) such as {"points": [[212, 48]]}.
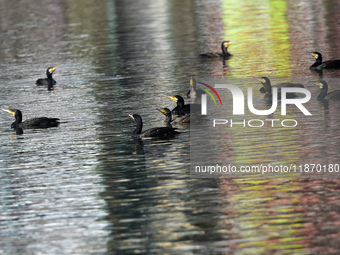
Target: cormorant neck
{"points": [[139, 127], [268, 86], [18, 120], [180, 103], [49, 80], [168, 119], [318, 62], [323, 92], [225, 50]]}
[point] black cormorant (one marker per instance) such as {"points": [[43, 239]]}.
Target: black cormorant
{"points": [[319, 65], [184, 119], [266, 83], [334, 95], [49, 80], [40, 122], [224, 54], [182, 108], [157, 132], [268, 96]]}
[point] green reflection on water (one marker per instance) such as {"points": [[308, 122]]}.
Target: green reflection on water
{"points": [[261, 47], [260, 33], [267, 218]]}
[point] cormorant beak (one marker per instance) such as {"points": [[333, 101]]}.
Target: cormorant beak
{"points": [[10, 111], [173, 98], [259, 79], [161, 110], [319, 84], [131, 116], [312, 53], [228, 43], [53, 69], [316, 56]]}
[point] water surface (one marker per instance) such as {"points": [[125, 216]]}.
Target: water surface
{"points": [[87, 187]]}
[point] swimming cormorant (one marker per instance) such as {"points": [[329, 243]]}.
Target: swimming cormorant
{"points": [[49, 80], [224, 54], [180, 120], [266, 83], [334, 95], [157, 132], [39, 122], [319, 65], [182, 108]]}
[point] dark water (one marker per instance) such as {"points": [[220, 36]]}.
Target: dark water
{"points": [[86, 187]]}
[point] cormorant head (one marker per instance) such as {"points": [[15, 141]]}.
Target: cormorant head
{"points": [[316, 55], [18, 116], [50, 70], [177, 98], [322, 84], [226, 43], [266, 84], [264, 80], [135, 117], [193, 82], [165, 111], [14, 112]]}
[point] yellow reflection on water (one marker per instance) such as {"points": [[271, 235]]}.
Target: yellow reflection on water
{"points": [[268, 213], [260, 33]]}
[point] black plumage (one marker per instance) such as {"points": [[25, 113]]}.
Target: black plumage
{"points": [[319, 65], [182, 108], [49, 80], [225, 53], [180, 120], [157, 132], [266, 83], [268, 89], [39, 122], [334, 95]]}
